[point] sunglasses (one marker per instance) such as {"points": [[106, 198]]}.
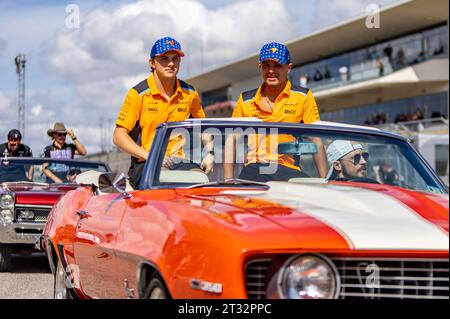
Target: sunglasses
{"points": [[357, 158], [61, 134]]}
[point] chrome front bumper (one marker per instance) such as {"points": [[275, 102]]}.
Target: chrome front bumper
{"points": [[21, 233]]}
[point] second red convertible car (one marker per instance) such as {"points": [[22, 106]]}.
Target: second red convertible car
{"points": [[27, 196], [278, 233]]}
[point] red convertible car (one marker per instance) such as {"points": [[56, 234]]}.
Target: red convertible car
{"points": [[27, 196], [273, 230]]}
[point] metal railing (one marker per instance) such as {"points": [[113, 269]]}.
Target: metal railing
{"points": [[411, 127], [368, 70]]}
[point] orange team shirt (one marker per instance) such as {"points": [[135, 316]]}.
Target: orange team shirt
{"points": [[145, 108], [295, 104]]}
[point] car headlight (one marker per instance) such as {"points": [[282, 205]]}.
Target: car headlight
{"points": [[6, 216], [309, 277], [6, 201]]}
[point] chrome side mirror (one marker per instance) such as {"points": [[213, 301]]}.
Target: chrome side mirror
{"points": [[120, 185]]}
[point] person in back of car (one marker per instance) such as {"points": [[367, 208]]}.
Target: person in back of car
{"points": [[348, 160]]}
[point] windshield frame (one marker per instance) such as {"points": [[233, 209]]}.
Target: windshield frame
{"points": [[41, 160], [150, 173]]}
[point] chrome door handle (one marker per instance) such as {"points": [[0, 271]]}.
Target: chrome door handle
{"points": [[83, 214]]}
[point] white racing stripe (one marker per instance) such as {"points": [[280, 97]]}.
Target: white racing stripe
{"points": [[369, 219]]}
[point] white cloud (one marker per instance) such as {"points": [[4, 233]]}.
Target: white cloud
{"points": [[37, 110], [109, 53], [328, 12], [117, 43], [3, 45], [4, 102]]}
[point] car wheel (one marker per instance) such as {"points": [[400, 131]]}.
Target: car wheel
{"points": [[156, 289], [5, 257], [60, 289]]}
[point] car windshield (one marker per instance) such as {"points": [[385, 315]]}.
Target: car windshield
{"points": [[37, 170], [262, 153]]}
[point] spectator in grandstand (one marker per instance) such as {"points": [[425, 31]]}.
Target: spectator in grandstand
{"points": [[400, 57], [437, 115], [327, 74], [401, 117], [388, 52], [304, 80], [343, 72], [318, 75], [380, 66]]}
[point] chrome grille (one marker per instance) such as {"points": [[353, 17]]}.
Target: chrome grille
{"points": [[375, 278], [40, 213], [381, 278], [255, 278]]}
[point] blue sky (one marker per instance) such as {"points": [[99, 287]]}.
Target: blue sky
{"points": [[81, 76], [50, 17]]}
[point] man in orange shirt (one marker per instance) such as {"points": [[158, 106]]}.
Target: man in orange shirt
{"points": [[276, 100], [158, 99]]}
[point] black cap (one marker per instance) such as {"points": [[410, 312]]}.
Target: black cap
{"points": [[14, 135]]}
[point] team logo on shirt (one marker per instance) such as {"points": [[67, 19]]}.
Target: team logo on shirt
{"points": [[290, 111], [182, 109]]}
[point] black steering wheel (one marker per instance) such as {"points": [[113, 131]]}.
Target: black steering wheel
{"points": [[357, 180]]}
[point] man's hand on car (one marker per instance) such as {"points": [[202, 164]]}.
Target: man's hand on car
{"points": [[167, 162], [207, 164]]}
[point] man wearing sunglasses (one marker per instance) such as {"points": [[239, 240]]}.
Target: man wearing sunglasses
{"points": [[348, 160], [59, 149]]}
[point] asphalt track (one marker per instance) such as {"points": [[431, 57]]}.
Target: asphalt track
{"points": [[28, 278]]}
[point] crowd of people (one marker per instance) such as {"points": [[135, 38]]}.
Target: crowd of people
{"points": [[379, 118], [407, 117]]}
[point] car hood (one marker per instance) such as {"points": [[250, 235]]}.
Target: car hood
{"points": [[37, 194], [355, 216]]}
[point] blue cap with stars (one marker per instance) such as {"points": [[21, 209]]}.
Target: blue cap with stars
{"points": [[276, 52], [165, 45]]}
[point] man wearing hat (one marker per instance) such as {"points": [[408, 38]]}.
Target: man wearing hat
{"points": [[59, 149], [347, 160], [160, 98], [276, 100], [14, 147]]}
